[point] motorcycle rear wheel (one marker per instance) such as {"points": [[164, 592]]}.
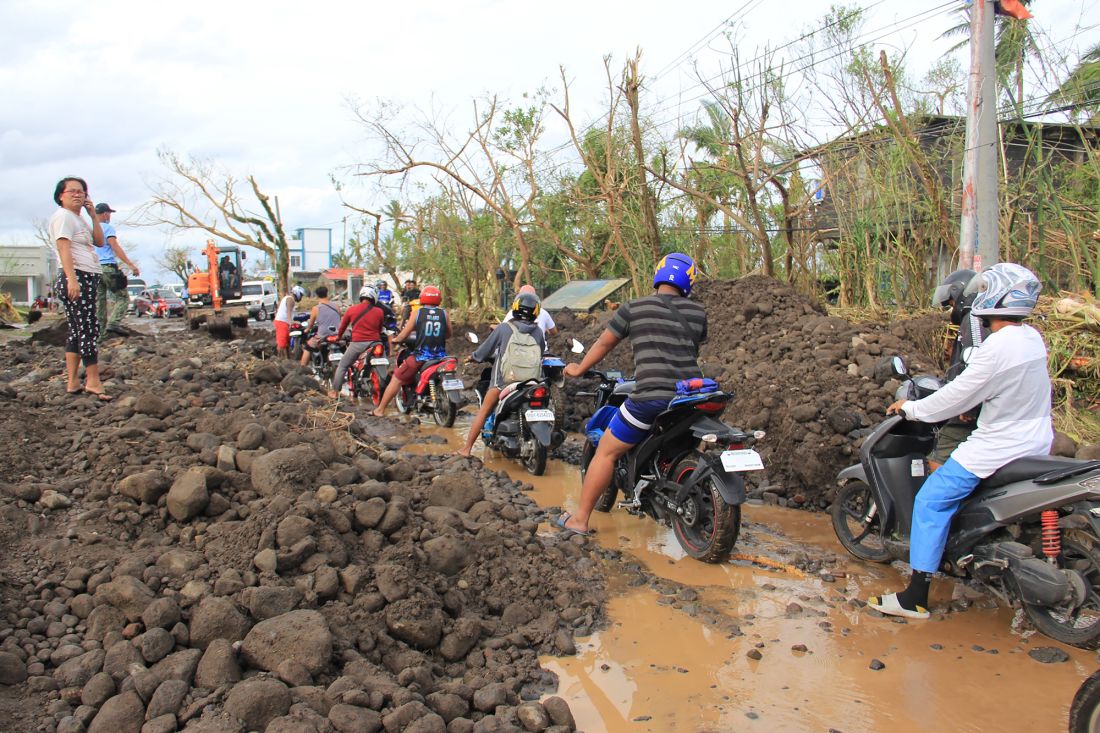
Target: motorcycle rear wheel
{"points": [[709, 530], [606, 500], [375, 388], [1084, 713], [1080, 552], [862, 540], [535, 460], [444, 410], [404, 400]]}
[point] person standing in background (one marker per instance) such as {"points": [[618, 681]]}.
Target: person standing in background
{"points": [[112, 300], [74, 241]]}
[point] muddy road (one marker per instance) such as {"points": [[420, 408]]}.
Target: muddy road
{"points": [[760, 643]]}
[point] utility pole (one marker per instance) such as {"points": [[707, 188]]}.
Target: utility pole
{"points": [[978, 238]]}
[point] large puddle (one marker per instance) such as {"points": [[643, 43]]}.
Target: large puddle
{"points": [[658, 667]]}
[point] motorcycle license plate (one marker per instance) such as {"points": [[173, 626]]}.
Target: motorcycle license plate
{"points": [[452, 384], [742, 460], [380, 361], [539, 416], [335, 356]]}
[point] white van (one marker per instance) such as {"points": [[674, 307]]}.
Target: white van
{"points": [[261, 297]]}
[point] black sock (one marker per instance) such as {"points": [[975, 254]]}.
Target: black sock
{"points": [[917, 592]]}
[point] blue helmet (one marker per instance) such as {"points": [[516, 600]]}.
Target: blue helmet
{"points": [[675, 269]]}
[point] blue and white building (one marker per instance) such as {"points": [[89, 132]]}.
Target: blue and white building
{"points": [[309, 250]]}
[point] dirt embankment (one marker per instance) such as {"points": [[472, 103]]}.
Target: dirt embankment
{"points": [[219, 550]]}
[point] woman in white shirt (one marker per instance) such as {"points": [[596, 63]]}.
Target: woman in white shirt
{"points": [[74, 241]]}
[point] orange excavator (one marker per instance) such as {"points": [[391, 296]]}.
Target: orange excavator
{"points": [[214, 294]]}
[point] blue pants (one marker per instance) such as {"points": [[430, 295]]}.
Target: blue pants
{"points": [[936, 503]]}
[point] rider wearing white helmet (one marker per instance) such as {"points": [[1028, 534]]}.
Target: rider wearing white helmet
{"points": [[365, 321], [284, 319], [1008, 377]]}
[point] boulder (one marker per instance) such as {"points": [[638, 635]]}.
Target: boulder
{"points": [[127, 594], [146, 486], [414, 622], [269, 601], [123, 713], [218, 665], [302, 636], [216, 617], [352, 719], [250, 437], [12, 669], [167, 699], [286, 471], [456, 490], [447, 554], [149, 403], [188, 496], [258, 701]]}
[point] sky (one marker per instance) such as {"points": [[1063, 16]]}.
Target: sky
{"points": [[267, 88]]}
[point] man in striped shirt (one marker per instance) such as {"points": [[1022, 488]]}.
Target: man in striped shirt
{"points": [[665, 330]]}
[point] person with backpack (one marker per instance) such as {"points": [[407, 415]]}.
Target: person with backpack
{"points": [[365, 321], [517, 346], [429, 331]]}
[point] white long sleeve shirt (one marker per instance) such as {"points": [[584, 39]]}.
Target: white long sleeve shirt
{"points": [[1008, 377]]}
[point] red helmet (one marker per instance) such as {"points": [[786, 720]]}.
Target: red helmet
{"points": [[431, 296]]}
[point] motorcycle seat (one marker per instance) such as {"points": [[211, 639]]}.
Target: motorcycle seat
{"points": [[624, 387], [1028, 467]]}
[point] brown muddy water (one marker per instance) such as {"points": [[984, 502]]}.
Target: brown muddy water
{"points": [[666, 665]]}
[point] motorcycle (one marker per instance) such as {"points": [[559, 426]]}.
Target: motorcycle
{"points": [[368, 375], [523, 424], [1028, 534], [323, 361], [297, 335], [670, 475], [436, 391]]}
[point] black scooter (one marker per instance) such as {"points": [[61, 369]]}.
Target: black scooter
{"points": [[523, 425], [1028, 534], [670, 475]]}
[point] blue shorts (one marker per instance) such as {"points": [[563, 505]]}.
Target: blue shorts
{"points": [[635, 418]]}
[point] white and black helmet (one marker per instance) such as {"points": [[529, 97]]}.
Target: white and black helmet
{"points": [[368, 293], [1005, 290], [298, 292]]}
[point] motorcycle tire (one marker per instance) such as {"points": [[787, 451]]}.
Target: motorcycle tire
{"points": [[535, 461], [404, 400], [444, 411], [709, 530], [850, 505], [606, 501], [375, 388], [1084, 713], [1081, 552]]}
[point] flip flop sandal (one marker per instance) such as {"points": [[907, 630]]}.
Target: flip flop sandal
{"points": [[101, 396], [559, 524], [888, 604]]}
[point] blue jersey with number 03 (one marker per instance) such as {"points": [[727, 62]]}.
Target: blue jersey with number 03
{"points": [[431, 333]]}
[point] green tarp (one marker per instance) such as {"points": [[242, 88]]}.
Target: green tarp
{"points": [[583, 295]]}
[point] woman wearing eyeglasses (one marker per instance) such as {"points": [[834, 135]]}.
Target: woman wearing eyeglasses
{"points": [[74, 240]]}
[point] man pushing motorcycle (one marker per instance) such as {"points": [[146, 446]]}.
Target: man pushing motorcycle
{"points": [[665, 330], [1008, 378]]}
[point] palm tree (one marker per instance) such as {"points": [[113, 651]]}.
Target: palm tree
{"points": [[1013, 45], [1081, 89]]}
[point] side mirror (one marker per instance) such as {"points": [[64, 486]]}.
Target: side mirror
{"points": [[577, 347], [472, 337], [898, 366]]}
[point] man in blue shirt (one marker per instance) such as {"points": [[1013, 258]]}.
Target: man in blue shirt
{"points": [[112, 299]]}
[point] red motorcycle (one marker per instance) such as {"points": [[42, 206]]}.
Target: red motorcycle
{"points": [[436, 391], [368, 376]]}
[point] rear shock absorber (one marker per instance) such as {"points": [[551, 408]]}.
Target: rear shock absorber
{"points": [[431, 390], [1051, 535]]}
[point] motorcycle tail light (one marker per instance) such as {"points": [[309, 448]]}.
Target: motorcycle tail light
{"points": [[539, 393], [710, 407], [735, 446], [449, 365], [377, 350]]}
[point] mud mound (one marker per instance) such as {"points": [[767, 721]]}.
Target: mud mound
{"points": [[220, 550]]}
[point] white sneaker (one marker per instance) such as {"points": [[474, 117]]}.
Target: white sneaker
{"points": [[888, 604]]}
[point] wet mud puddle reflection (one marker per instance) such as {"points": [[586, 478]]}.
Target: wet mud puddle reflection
{"points": [[773, 640]]}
